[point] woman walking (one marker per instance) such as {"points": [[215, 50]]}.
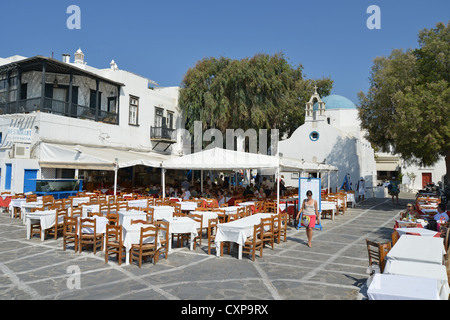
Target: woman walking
{"points": [[310, 214]]}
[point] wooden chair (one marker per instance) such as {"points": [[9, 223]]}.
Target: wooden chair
{"points": [[122, 205], [163, 236], [58, 227], [147, 246], [113, 219], [199, 219], [95, 239], [139, 221], [394, 237], [150, 214], [112, 208], [114, 243], [241, 212], [268, 231], [377, 253], [270, 207], [254, 243], [221, 215], [94, 214], [283, 227], [212, 231], [259, 206], [76, 212], [70, 233], [232, 217], [276, 223], [36, 226], [103, 208], [31, 198]]}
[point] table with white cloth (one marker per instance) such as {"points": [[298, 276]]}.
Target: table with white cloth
{"points": [[351, 198], [328, 205], [182, 225], [46, 219], [80, 200], [188, 205], [418, 249], [15, 203], [400, 287], [90, 208], [402, 223], [421, 231], [230, 209], [132, 235], [206, 216], [26, 208], [125, 216], [162, 212], [238, 231], [139, 203], [424, 270]]}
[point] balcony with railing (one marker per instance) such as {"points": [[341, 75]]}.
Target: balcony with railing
{"points": [[162, 135], [59, 107]]}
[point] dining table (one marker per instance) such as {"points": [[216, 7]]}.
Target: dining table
{"points": [[182, 225], [46, 220], [328, 206], [132, 235], [418, 231], [402, 287], [418, 249], [27, 206], [188, 205], [125, 216], [238, 231], [423, 270], [162, 212]]}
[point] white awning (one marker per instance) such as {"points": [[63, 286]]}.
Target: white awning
{"points": [[94, 158]]}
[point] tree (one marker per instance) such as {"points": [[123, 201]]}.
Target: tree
{"points": [[262, 92], [406, 109]]}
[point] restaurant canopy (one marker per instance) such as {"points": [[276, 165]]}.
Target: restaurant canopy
{"points": [[94, 158], [224, 159]]}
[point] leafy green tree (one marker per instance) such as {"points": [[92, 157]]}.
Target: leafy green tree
{"points": [[262, 92], [407, 105]]}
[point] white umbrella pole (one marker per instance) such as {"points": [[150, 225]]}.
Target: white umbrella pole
{"points": [[163, 177], [115, 180], [278, 191]]}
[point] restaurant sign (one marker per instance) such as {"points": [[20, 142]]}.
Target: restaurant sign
{"points": [[19, 134]]}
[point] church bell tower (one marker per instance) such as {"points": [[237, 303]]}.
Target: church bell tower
{"points": [[312, 113]]}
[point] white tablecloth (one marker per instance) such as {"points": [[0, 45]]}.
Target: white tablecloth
{"points": [[329, 205], [238, 230], [418, 249], [182, 225], [26, 208], [424, 270], [399, 287], [77, 201], [351, 198], [162, 212], [91, 208], [188, 205], [421, 231], [206, 216], [45, 218], [132, 235], [125, 216], [140, 203], [100, 225]]}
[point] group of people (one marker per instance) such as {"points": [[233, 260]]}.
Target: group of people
{"points": [[440, 216]]}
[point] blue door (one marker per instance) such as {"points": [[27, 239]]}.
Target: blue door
{"points": [[29, 180], [8, 176]]}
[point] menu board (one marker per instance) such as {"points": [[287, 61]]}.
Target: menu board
{"points": [[313, 184]]}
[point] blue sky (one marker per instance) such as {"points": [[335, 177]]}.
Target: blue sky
{"points": [[161, 40]]}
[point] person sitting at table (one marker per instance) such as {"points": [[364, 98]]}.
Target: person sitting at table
{"points": [[410, 212], [185, 194], [441, 216], [248, 192], [220, 198], [262, 194]]}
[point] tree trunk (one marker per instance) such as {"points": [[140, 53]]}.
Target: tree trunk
{"points": [[447, 165]]}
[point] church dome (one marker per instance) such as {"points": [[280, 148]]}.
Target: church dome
{"points": [[335, 101]]}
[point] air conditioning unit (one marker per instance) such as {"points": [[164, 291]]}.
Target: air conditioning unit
{"points": [[22, 151]]}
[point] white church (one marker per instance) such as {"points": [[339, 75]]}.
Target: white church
{"points": [[332, 134]]}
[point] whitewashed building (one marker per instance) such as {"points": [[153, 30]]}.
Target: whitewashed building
{"points": [[332, 135], [51, 108]]}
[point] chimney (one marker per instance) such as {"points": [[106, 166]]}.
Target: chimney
{"points": [[79, 57], [66, 57]]}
